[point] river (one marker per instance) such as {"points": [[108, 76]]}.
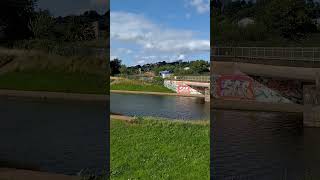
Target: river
{"points": [[261, 145], [172, 107], [54, 136]]}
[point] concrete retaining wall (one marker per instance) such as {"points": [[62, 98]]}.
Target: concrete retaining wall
{"points": [[180, 87], [255, 88]]}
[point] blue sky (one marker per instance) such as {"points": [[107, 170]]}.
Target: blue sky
{"points": [[146, 31]]}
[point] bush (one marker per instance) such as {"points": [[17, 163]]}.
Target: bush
{"points": [[158, 80]]}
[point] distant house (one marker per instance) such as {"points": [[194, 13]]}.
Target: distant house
{"points": [[165, 74], [245, 22], [186, 68]]}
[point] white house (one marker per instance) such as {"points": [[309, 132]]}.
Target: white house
{"points": [[245, 22], [186, 68], [165, 74]]}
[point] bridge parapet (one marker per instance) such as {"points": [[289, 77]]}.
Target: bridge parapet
{"points": [[191, 78], [272, 53]]}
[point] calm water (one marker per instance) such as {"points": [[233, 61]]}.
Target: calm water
{"points": [[257, 145], [160, 106], [62, 136]]}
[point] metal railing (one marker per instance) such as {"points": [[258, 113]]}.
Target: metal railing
{"points": [[272, 53], [191, 78]]}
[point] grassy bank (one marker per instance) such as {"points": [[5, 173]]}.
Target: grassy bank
{"points": [[137, 85], [151, 148], [40, 71], [54, 82]]}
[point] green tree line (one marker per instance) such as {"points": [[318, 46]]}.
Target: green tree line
{"points": [[274, 20]]}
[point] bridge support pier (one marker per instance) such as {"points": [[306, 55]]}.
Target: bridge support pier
{"points": [[311, 112], [207, 95]]}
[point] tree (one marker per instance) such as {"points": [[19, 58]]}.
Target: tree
{"points": [[42, 25], [199, 66], [123, 70], [15, 17], [288, 17], [76, 30], [115, 66]]}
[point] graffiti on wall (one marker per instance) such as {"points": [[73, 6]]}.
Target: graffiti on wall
{"points": [[180, 87], [263, 89], [279, 90], [170, 85], [183, 89], [235, 87]]}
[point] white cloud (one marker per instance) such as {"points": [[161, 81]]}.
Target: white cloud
{"points": [[135, 28], [113, 57], [181, 57], [202, 6], [141, 61]]}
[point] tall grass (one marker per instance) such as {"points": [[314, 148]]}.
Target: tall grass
{"points": [[137, 85]]}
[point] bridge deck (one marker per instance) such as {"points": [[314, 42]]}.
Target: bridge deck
{"points": [[284, 72], [284, 56]]}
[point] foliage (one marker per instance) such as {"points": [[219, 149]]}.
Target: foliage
{"points": [[115, 66], [289, 17], [14, 18], [42, 24], [199, 66], [276, 21], [76, 30]]}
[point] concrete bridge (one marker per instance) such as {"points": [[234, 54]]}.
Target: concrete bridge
{"points": [[192, 85], [267, 79]]}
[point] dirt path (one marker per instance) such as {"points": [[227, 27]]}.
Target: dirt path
{"points": [[53, 95], [15, 174]]}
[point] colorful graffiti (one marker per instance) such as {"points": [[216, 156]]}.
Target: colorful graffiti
{"points": [[183, 89], [235, 87], [243, 87], [279, 90], [180, 87]]}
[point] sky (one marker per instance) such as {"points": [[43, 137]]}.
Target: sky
{"points": [[148, 31], [67, 7]]}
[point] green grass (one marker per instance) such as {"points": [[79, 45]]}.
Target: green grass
{"points": [[136, 85], [54, 82], [152, 148]]}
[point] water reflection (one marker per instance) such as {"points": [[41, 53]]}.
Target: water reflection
{"points": [[258, 145], [56, 136], [160, 106]]}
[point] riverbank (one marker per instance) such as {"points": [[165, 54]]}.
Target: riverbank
{"points": [[123, 84], [54, 82], [155, 93], [53, 95], [155, 148]]}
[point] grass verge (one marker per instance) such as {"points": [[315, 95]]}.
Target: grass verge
{"points": [[153, 148], [54, 82], [137, 85]]}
